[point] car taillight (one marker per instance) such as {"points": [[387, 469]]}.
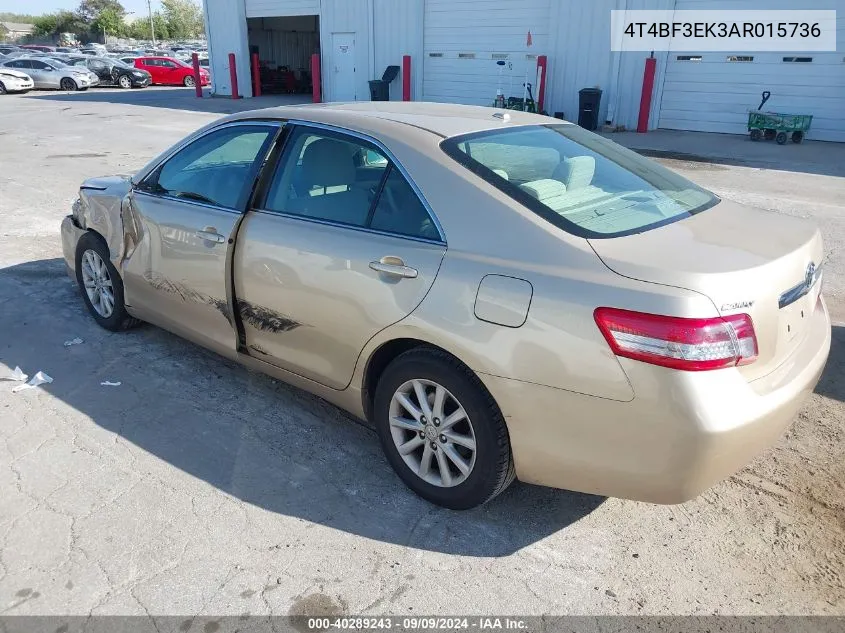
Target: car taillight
{"points": [[679, 343]]}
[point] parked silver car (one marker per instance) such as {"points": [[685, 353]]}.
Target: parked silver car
{"points": [[51, 74]]}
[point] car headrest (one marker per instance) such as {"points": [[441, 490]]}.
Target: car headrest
{"points": [[576, 172], [328, 163]]}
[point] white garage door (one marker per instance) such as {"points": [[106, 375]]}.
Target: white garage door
{"points": [[463, 40], [712, 92]]}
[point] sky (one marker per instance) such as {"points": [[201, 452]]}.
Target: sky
{"points": [[38, 7]]}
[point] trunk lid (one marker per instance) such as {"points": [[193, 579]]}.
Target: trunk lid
{"points": [[745, 260]]}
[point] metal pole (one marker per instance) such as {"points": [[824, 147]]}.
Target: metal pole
{"points": [[152, 27]]}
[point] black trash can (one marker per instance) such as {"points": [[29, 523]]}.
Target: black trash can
{"points": [[589, 100], [380, 88]]}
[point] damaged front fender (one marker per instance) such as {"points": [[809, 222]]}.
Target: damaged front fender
{"points": [[103, 207]]}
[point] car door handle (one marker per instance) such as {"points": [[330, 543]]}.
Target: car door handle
{"points": [[394, 266], [211, 236]]}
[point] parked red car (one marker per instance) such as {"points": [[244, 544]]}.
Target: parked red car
{"points": [[168, 71]]}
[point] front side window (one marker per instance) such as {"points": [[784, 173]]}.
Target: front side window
{"points": [[218, 168], [579, 181], [339, 178]]}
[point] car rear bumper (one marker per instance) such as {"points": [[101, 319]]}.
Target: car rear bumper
{"points": [[71, 234], [682, 432]]}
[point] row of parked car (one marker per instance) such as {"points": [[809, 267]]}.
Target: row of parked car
{"points": [[24, 69]]}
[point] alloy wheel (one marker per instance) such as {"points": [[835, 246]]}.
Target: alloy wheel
{"points": [[189, 82], [124, 81], [68, 84], [432, 433], [97, 283]]}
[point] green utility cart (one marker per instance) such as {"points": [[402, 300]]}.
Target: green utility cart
{"points": [[775, 125]]}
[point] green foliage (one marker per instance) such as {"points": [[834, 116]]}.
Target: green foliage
{"points": [[183, 17], [110, 21], [20, 18], [90, 10], [51, 24]]}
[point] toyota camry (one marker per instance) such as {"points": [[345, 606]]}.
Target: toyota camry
{"points": [[501, 295]]}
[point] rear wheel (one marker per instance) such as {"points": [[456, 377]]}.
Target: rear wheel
{"points": [[101, 286], [797, 137], [2, 88], [190, 82], [756, 135], [124, 82], [68, 84], [781, 138], [441, 430]]}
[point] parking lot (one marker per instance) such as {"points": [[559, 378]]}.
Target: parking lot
{"points": [[196, 487]]}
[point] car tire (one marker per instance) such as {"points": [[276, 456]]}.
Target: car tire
{"points": [[2, 88], [125, 82], [68, 84], [189, 81], [488, 468], [93, 254]]}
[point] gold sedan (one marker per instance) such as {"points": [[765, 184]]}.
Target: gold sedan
{"points": [[501, 294]]}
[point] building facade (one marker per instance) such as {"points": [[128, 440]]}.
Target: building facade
{"points": [[455, 45]]}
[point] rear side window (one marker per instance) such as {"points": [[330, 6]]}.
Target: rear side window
{"points": [[579, 181], [327, 175]]}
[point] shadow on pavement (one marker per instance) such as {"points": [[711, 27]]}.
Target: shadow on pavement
{"points": [[832, 383], [254, 438], [174, 98]]}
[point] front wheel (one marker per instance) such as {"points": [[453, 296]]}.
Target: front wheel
{"points": [[68, 84], [797, 137], [100, 283], [781, 138], [756, 135], [190, 82], [441, 430], [125, 82], [2, 88]]}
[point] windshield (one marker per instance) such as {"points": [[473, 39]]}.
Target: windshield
{"points": [[579, 181], [55, 63], [121, 64]]}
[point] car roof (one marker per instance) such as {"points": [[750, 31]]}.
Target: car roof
{"points": [[442, 119]]}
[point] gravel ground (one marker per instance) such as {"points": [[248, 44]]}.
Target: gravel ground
{"points": [[197, 487]]}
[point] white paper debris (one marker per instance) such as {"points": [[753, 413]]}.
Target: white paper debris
{"points": [[18, 375], [76, 341], [106, 383], [39, 378]]}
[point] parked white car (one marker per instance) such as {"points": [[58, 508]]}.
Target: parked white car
{"points": [[14, 81]]}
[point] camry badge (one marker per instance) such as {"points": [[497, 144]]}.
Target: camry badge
{"points": [[739, 305]]}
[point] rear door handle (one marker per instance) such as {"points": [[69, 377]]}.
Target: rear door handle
{"points": [[395, 267], [210, 235]]}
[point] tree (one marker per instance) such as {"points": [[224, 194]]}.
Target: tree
{"points": [[90, 10], [52, 24], [20, 18], [109, 21], [184, 18]]}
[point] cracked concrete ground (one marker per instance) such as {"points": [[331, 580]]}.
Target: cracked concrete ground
{"points": [[199, 488]]}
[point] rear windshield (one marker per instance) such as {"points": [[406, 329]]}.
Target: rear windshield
{"points": [[579, 181]]}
